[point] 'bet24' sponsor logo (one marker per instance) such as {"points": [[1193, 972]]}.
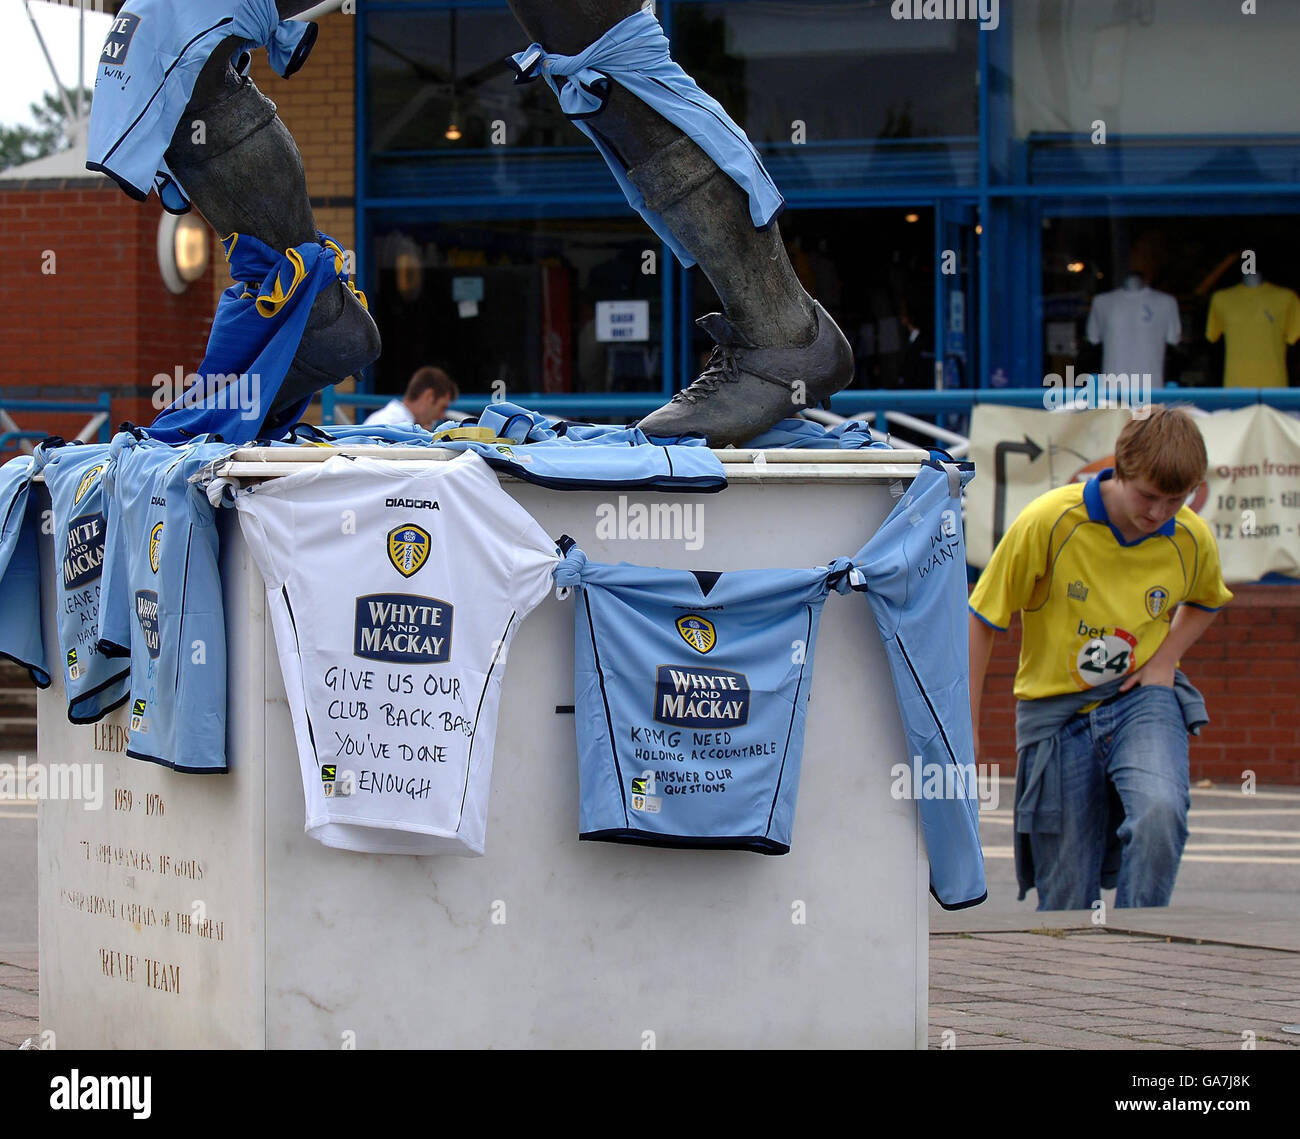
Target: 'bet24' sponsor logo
{"points": [[1103, 656]]}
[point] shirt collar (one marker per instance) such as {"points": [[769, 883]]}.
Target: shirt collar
{"points": [[1097, 509]]}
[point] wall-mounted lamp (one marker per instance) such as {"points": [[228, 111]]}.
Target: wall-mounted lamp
{"points": [[183, 250]]}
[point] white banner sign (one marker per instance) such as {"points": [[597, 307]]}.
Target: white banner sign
{"points": [[1251, 497]]}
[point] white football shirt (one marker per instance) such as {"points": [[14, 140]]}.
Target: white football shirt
{"points": [[395, 589], [1133, 326]]}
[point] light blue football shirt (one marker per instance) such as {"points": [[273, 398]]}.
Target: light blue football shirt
{"points": [[691, 694], [634, 53], [20, 574], [162, 602], [913, 572], [95, 682], [150, 62]]}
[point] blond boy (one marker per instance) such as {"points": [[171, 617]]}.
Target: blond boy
{"points": [[1115, 579]]}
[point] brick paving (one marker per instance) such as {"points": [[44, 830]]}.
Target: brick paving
{"points": [[1088, 988], [18, 987]]}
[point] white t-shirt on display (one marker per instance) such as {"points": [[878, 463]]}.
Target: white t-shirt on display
{"points": [[395, 589], [1134, 325]]}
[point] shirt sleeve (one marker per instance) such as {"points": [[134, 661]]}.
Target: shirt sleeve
{"points": [[114, 583], [1292, 319], [290, 44], [1208, 590], [1094, 331], [1214, 322], [533, 567], [265, 534], [1174, 328], [1008, 581]]}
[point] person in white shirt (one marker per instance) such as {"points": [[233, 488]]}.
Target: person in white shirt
{"points": [[428, 395]]}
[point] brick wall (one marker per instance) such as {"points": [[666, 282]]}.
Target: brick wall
{"points": [[102, 320], [1247, 665]]}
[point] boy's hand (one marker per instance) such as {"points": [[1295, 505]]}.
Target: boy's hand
{"points": [[1155, 671]]}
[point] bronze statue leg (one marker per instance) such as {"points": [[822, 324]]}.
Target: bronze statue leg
{"points": [[706, 210], [247, 177], [777, 349]]}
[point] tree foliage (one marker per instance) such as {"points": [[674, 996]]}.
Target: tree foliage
{"points": [[23, 142]]}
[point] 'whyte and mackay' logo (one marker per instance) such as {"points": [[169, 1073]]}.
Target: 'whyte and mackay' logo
{"points": [[84, 556], [697, 631], [402, 628], [408, 548], [119, 38], [146, 612], [691, 698]]}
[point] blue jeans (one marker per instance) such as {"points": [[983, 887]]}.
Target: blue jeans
{"points": [[1136, 744]]}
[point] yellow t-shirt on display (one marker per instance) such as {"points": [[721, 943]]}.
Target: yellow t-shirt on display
{"points": [[1092, 606], [1259, 322]]}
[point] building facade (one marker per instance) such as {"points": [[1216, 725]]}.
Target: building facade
{"points": [[958, 190]]}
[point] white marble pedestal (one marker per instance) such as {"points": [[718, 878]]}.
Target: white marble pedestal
{"points": [[192, 911]]}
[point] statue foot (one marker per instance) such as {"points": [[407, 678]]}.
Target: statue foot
{"points": [[340, 339], [744, 390]]}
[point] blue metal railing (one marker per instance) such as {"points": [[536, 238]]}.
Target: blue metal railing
{"points": [[873, 402], [878, 401], [9, 438], [103, 403], [575, 405]]}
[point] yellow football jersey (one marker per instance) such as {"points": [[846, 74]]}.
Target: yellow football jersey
{"points": [[1093, 607], [1259, 323]]}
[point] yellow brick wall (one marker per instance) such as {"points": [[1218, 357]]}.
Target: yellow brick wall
{"points": [[318, 106]]}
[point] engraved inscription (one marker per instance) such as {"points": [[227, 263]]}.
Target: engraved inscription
{"points": [[165, 976]]}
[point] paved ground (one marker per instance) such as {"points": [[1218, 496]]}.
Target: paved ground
{"points": [[1093, 988], [17, 919], [1005, 976], [17, 997], [1221, 963]]}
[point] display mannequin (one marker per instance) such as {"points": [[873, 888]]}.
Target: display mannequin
{"points": [[1133, 324], [1258, 320]]}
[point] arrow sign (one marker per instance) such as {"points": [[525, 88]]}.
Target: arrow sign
{"points": [[1000, 453]]}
